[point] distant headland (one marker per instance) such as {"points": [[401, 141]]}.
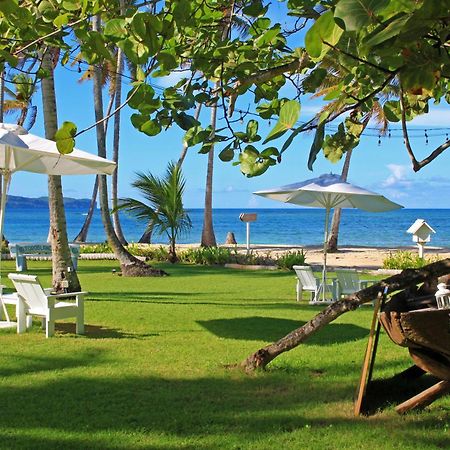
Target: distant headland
{"points": [[15, 201]]}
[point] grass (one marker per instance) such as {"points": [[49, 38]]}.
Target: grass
{"points": [[152, 371]]}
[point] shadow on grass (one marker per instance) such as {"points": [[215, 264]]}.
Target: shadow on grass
{"points": [[27, 365], [101, 332], [271, 329], [105, 412], [383, 393]]}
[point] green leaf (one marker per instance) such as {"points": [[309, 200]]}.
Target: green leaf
{"points": [[61, 20], [64, 138], [185, 121], [115, 28], [227, 154], [270, 151], [252, 128], [358, 14], [392, 111], [323, 34], [151, 128], [289, 114], [255, 9], [386, 31], [316, 145]]}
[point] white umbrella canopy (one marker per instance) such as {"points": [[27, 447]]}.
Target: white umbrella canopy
{"points": [[329, 191], [22, 151]]}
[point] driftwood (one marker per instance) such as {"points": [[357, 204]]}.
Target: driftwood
{"points": [[408, 279]]}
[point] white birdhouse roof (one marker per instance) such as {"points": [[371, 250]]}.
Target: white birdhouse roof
{"points": [[417, 225]]}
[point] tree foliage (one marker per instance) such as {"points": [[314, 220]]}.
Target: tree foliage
{"points": [[378, 44]]}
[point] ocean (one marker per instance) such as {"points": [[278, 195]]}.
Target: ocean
{"points": [[293, 226]]}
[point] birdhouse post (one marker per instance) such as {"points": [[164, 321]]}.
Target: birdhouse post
{"points": [[247, 218], [421, 234]]}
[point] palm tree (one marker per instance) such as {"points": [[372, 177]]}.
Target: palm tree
{"points": [[164, 212], [61, 259], [130, 265], [21, 100], [335, 75], [147, 235], [208, 237]]}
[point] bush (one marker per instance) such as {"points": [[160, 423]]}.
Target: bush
{"points": [[207, 256], [96, 248], [406, 260], [289, 259]]}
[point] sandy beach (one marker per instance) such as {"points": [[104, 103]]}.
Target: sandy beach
{"points": [[364, 258]]}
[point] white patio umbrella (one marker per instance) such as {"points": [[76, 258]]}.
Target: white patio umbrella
{"points": [[329, 191], [22, 151]]}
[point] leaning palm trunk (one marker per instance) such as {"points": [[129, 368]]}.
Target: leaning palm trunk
{"points": [[61, 260], [332, 244], [146, 238], [116, 144], [130, 265], [82, 235]]}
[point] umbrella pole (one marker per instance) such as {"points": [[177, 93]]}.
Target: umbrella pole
{"points": [[325, 244], [6, 179]]}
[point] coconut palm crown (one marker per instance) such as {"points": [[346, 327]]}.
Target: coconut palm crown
{"points": [[162, 207]]}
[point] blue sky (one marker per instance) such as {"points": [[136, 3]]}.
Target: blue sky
{"points": [[383, 168]]}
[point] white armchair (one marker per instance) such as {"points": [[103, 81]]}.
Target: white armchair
{"points": [[306, 281], [348, 282], [34, 300]]}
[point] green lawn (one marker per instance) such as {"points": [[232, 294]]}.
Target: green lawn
{"points": [[152, 372]]}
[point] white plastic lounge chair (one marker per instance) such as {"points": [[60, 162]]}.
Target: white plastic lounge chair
{"points": [[34, 300], [7, 299], [306, 281], [348, 282]]}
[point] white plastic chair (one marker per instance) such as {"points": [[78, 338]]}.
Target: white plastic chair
{"points": [[34, 300], [348, 282], [306, 281]]}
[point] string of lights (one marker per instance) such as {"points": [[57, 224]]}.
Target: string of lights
{"points": [[414, 132]]}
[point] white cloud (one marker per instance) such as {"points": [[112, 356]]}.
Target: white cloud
{"points": [[397, 177], [436, 117]]}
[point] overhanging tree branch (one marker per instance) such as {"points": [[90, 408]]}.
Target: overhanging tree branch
{"points": [[406, 279]]}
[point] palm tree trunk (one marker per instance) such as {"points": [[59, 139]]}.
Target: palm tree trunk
{"points": [[332, 245], [62, 266], [130, 265], [208, 236], [116, 144], [82, 235], [146, 237]]}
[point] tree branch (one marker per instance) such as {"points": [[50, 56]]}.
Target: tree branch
{"points": [[265, 75], [417, 165], [406, 279]]}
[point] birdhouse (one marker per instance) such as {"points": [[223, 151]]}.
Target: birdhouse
{"points": [[421, 231]]}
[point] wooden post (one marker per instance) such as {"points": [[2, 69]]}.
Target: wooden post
{"points": [[425, 398], [369, 357]]}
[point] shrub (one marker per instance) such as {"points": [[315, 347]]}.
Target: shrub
{"points": [[96, 248], [289, 259], [207, 256], [406, 260]]}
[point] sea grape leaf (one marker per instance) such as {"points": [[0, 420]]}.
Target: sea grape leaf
{"points": [[64, 138], [289, 114]]}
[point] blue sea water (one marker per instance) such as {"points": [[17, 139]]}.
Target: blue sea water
{"points": [[294, 226]]}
